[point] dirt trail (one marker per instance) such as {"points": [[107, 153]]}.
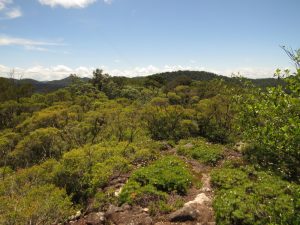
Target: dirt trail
{"points": [[198, 207]]}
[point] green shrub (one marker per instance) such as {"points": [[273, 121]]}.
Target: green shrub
{"points": [[152, 183], [85, 169], [102, 172], [5, 171], [269, 120], [36, 205], [228, 178], [135, 193], [102, 199], [144, 156], [167, 174], [246, 196], [165, 207], [200, 150]]}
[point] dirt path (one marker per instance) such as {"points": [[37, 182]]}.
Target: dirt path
{"points": [[198, 206]]}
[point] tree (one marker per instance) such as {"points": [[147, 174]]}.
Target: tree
{"points": [[270, 121], [100, 79], [165, 121], [155, 82]]}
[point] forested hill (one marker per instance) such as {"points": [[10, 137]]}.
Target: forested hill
{"points": [[169, 77], [48, 86]]}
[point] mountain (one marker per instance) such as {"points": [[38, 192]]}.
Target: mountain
{"points": [[48, 86]]}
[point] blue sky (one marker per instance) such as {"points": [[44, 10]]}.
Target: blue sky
{"points": [[49, 39]]}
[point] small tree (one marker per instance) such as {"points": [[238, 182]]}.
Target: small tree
{"points": [[270, 121]]}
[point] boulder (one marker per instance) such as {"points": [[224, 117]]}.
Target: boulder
{"points": [[187, 213], [200, 199], [197, 210], [95, 218], [128, 215]]}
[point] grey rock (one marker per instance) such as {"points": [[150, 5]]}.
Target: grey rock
{"points": [[187, 213], [95, 218]]}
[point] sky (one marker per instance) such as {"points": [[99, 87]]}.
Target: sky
{"points": [[50, 39]]}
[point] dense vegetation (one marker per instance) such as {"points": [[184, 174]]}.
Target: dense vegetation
{"points": [[60, 151]]}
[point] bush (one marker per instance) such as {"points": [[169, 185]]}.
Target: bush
{"points": [[169, 122], [36, 205], [37, 147], [269, 120], [152, 183], [103, 172], [200, 150], [246, 196], [135, 193]]}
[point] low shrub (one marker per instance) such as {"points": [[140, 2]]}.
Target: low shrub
{"points": [[154, 182], [247, 196], [45, 204], [200, 150]]}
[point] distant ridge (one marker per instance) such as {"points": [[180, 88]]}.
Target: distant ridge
{"points": [[48, 86]]}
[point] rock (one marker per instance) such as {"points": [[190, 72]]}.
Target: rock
{"points": [[113, 209], [118, 192], [76, 216], [126, 207], [146, 210], [187, 213], [127, 215], [200, 199], [165, 146], [197, 210], [240, 146], [95, 218], [77, 222], [188, 145]]}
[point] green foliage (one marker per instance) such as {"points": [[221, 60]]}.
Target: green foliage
{"points": [[38, 146], [152, 183], [136, 193], [247, 196], [36, 205], [55, 116], [215, 118], [270, 121], [102, 199], [166, 121], [5, 171], [84, 170], [8, 141], [102, 172], [71, 145], [14, 89], [201, 150]]}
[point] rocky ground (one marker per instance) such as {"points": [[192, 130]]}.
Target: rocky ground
{"points": [[197, 209]]}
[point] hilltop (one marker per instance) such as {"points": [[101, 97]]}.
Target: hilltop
{"points": [[169, 77]]}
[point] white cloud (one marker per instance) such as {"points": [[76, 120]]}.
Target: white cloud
{"points": [[28, 44], [71, 3], [108, 1], [4, 3], [67, 3], [61, 71], [13, 13], [8, 10]]}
